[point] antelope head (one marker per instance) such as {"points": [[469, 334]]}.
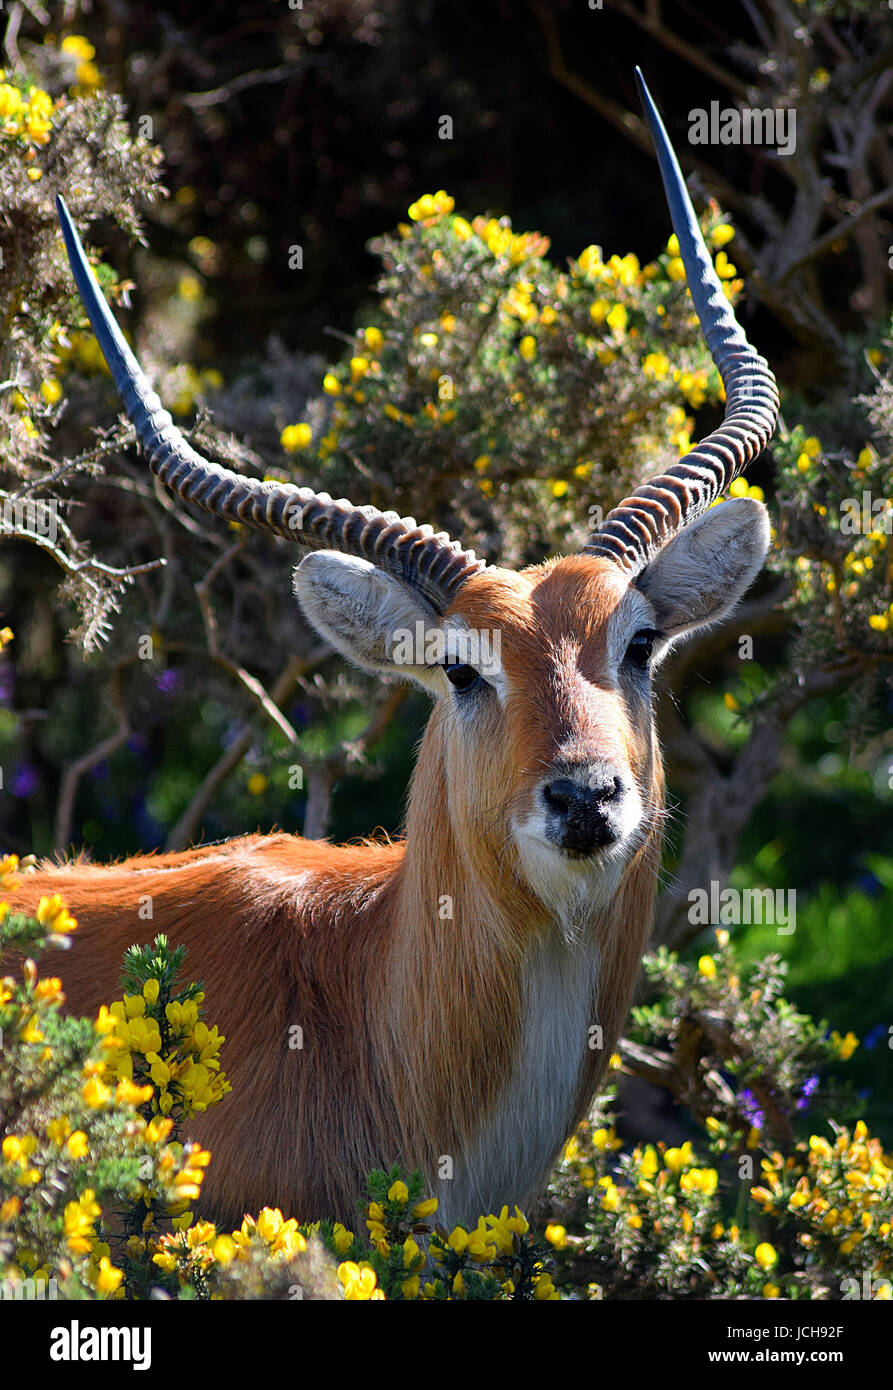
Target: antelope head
{"points": [[542, 733]]}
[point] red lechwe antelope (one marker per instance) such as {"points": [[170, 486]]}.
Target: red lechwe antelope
{"points": [[461, 1045]]}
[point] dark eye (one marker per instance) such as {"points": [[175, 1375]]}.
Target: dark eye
{"points": [[463, 677], [640, 648]]}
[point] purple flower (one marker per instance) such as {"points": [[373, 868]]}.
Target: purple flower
{"points": [[168, 681], [750, 1109], [24, 780], [807, 1090], [300, 713]]}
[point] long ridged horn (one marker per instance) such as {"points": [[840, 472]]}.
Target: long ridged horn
{"points": [[643, 522], [429, 562]]}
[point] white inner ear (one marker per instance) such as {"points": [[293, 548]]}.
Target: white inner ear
{"points": [[371, 618], [703, 571]]}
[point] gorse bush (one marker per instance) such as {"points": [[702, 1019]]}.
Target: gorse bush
{"points": [[100, 1187], [662, 1221], [68, 1135], [61, 135], [499, 379], [783, 1201], [98, 1183]]}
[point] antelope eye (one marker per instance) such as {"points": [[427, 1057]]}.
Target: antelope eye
{"points": [[640, 648], [463, 677]]}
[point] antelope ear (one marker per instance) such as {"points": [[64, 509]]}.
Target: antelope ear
{"points": [[375, 621], [699, 575]]}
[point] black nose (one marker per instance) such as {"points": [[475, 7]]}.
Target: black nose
{"points": [[583, 815]]}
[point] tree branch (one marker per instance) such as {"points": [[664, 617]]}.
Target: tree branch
{"points": [[652, 25], [720, 806], [322, 776], [74, 771], [189, 824]]}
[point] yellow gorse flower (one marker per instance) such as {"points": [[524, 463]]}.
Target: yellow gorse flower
{"points": [[590, 262], [78, 1222], [677, 1159], [343, 1239], [846, 1046], [359, 1282], [77, 1145], [545, 1291], [724, 268], [721, 235], [617, 319], [109, 1278], [624, 269], [431, 206], [54, 915], [655, 365], [25, 116], [10, 101], [501, 241], [76, 46], [187, 1076], [703, 1180], [51, 387]]}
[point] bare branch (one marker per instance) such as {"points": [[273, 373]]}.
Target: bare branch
{"points": [[322, 776], [263, 77], [318, 812], [183, 518], [203, 592], [74, 771], [720, 806], [841, 230], [251, 683], [187, 827], [758, 615], [652, 25], [627, 122]]}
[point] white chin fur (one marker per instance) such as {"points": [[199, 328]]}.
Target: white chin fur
{"points": [[572, 889]]}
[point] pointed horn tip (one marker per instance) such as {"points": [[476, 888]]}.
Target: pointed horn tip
{"points": [[63, 214], [645, 96]]}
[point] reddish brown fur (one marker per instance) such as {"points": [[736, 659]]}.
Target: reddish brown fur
{"points": [[412, 1024]]}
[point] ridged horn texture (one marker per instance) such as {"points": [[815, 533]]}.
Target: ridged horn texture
{"points": [[429, 562], [643, 522]]}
